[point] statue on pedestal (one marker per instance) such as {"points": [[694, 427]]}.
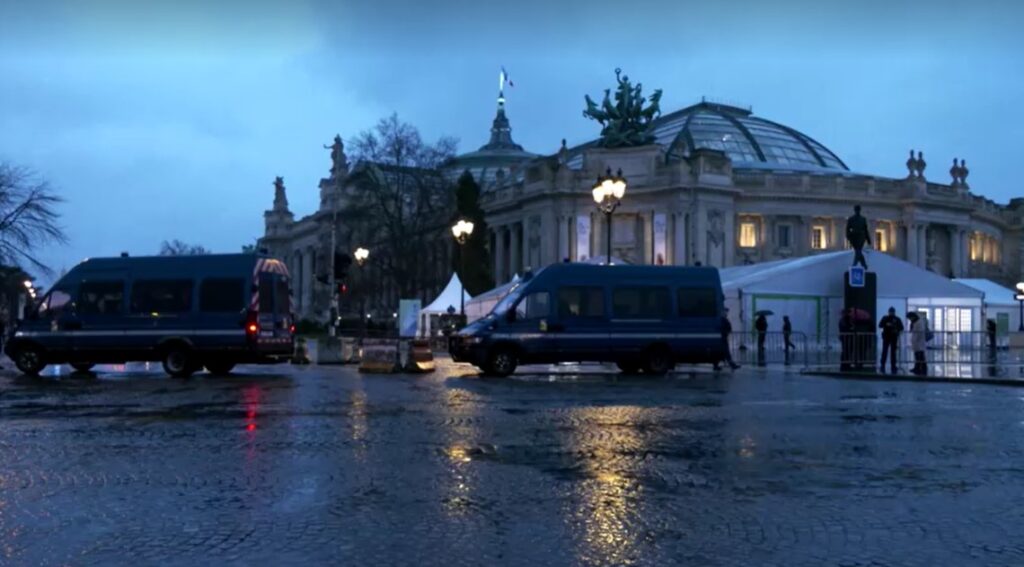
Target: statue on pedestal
{"points": [[857, 234]]}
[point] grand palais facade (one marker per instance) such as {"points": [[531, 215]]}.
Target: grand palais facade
{"points": [[718, 185]]}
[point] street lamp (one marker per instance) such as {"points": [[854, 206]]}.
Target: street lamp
{"points": [[462, 230], [28, 284], [361, 254], [608, 192], [1020, 300]]}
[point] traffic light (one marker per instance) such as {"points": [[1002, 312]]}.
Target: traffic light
{"points": [[342, 288]]}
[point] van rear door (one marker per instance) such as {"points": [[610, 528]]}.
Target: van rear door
{"points": [[273, 303]]}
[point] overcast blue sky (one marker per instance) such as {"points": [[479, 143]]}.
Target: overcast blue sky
{"points": [[172, 121]]}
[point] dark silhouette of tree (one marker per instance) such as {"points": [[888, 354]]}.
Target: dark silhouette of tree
{"points": [[28, 217], [178, 248], [398, 205], [474, 268]]}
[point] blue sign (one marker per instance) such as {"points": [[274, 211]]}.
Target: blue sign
{"points": [[856, 276]]}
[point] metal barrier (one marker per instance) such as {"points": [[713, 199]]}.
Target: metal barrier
{"points": [[947, 354], [769, 348]]}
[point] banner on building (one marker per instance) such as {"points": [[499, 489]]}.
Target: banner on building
{"points": [[582, 238], [408, 317], [660, 239]]}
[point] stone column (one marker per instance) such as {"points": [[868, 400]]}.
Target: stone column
{"points": [[955, 254], [910, 243], [549, 239], [516, 249], [922, 246], [678, 240], [500, 262], [562, 225]]}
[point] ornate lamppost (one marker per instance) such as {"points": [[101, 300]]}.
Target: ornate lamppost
{"points": [[462, 230], [361, 254], [608, 192]]}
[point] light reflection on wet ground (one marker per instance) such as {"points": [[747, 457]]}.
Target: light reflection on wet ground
{"points": [[285, 465]]}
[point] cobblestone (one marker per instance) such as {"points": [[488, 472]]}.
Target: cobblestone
{"points": [[306, 465]]}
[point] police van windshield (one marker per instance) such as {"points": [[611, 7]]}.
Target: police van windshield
{"points": [[508, 301]]}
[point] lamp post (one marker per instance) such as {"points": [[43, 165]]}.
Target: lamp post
{"points": [[1020, 301], [608, 192], [462, 230], [361, 254]]}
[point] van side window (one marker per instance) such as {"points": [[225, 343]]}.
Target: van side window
{"points": [[536, 305], [580, 302], [161, 296], [101, 298], [53, 304], [640, 303], [221, 295], [697, 302]]}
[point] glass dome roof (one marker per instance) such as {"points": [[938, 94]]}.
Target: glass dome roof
{"points": [[749, 141]]}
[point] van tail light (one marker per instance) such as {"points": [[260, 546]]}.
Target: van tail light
{"points": [[252, 325], [291, 329]]}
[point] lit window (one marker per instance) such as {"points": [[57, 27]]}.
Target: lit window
{"points": [[818, 241], [975, 254], [783, 236], [748, 235], [881, 242]]}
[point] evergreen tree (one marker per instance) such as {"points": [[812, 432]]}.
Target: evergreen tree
{"points": [[475, 268]]}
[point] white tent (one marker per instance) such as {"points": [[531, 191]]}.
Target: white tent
{"points": [[1000, 303], [482, 304], [448, 298], [810, 291]]}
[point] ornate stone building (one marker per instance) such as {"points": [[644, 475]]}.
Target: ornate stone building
{"points": [[718, 185], [723, 187]]}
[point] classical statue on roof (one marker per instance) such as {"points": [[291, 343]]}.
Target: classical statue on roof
{"points": [[626, 122]]}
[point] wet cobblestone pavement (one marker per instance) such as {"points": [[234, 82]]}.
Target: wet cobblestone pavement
{"points": [[283, 465]]}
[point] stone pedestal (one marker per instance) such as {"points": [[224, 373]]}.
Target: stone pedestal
{"points": [[859, 339]]}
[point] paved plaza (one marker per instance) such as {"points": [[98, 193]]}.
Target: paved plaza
{"points": [[320, 465]]}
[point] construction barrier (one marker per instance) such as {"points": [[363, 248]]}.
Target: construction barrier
{"points": [[349, 350], [415, 356], [301, 354], [379, 356]]}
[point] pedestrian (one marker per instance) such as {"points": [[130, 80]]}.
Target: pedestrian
{"points": [[991, 328], [726, 330], [787, 332], [761, 326], [891, 328], [918, 330]]}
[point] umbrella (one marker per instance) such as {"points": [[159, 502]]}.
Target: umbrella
{"points": [[860, 314], [764, 312]]}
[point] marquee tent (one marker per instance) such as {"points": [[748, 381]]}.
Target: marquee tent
{"points": [[482, 304], [449, 297], [1000, 303], [810, 289]]}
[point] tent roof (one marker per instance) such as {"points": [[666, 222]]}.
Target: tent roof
{"points": [[449, 297], [498, 291], [995, 294], [821, 275]]}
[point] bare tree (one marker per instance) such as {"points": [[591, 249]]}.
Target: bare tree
{"points": [[178, 248], [28, 216], [398, 201]]}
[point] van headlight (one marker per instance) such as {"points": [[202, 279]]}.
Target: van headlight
{"points": [[472, 340]]}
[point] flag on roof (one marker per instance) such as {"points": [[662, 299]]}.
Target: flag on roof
{"points": [[505, 79]]}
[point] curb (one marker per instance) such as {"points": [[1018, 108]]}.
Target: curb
{"points": [[874, 377]]}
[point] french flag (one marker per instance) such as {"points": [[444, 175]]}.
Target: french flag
{"points": [[505, 78]]}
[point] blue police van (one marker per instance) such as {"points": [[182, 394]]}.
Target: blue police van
{"points": [[642, 318], [188, 312]]}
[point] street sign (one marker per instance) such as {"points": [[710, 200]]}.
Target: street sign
{"points": [[856, 276]]}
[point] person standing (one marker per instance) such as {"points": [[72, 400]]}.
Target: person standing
{"points": [[891, 328], [918, 330], [787, 332], [726, 330], [761, 326]]}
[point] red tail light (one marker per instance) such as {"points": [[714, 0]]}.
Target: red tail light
{"points": [[292, 329], [252, 324]]}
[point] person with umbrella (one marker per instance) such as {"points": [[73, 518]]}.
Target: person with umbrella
{"points": [[761, 326]]}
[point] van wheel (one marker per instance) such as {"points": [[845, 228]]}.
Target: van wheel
{"points": [[82, 366], [29, 359], [658, 361], [501, 362], [220, 368], [178, 362], [628, 367]]}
